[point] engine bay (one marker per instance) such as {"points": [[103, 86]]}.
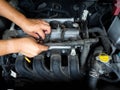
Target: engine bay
{"points": [[83, 43]]}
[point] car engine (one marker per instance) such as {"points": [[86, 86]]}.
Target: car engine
{"points": [[84, 42]]}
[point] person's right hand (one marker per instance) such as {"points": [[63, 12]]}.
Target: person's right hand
{"points": [[35, 27], [28, 47]]}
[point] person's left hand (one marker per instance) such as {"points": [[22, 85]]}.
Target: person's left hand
{"points": [[34, 27]]}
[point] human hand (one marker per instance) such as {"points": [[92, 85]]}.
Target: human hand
{"points": [[28, 47], [34, 27]]}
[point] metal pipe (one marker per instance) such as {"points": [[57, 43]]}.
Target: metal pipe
{"points": [[73, 43], [59, 47]]}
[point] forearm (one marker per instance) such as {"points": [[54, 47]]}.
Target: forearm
{"points": [[8, 47], [9, 12]]}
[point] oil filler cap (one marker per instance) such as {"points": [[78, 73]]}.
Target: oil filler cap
{"points": [[103, 57]]}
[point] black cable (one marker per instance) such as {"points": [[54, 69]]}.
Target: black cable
{"points": [[105, 40]]}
